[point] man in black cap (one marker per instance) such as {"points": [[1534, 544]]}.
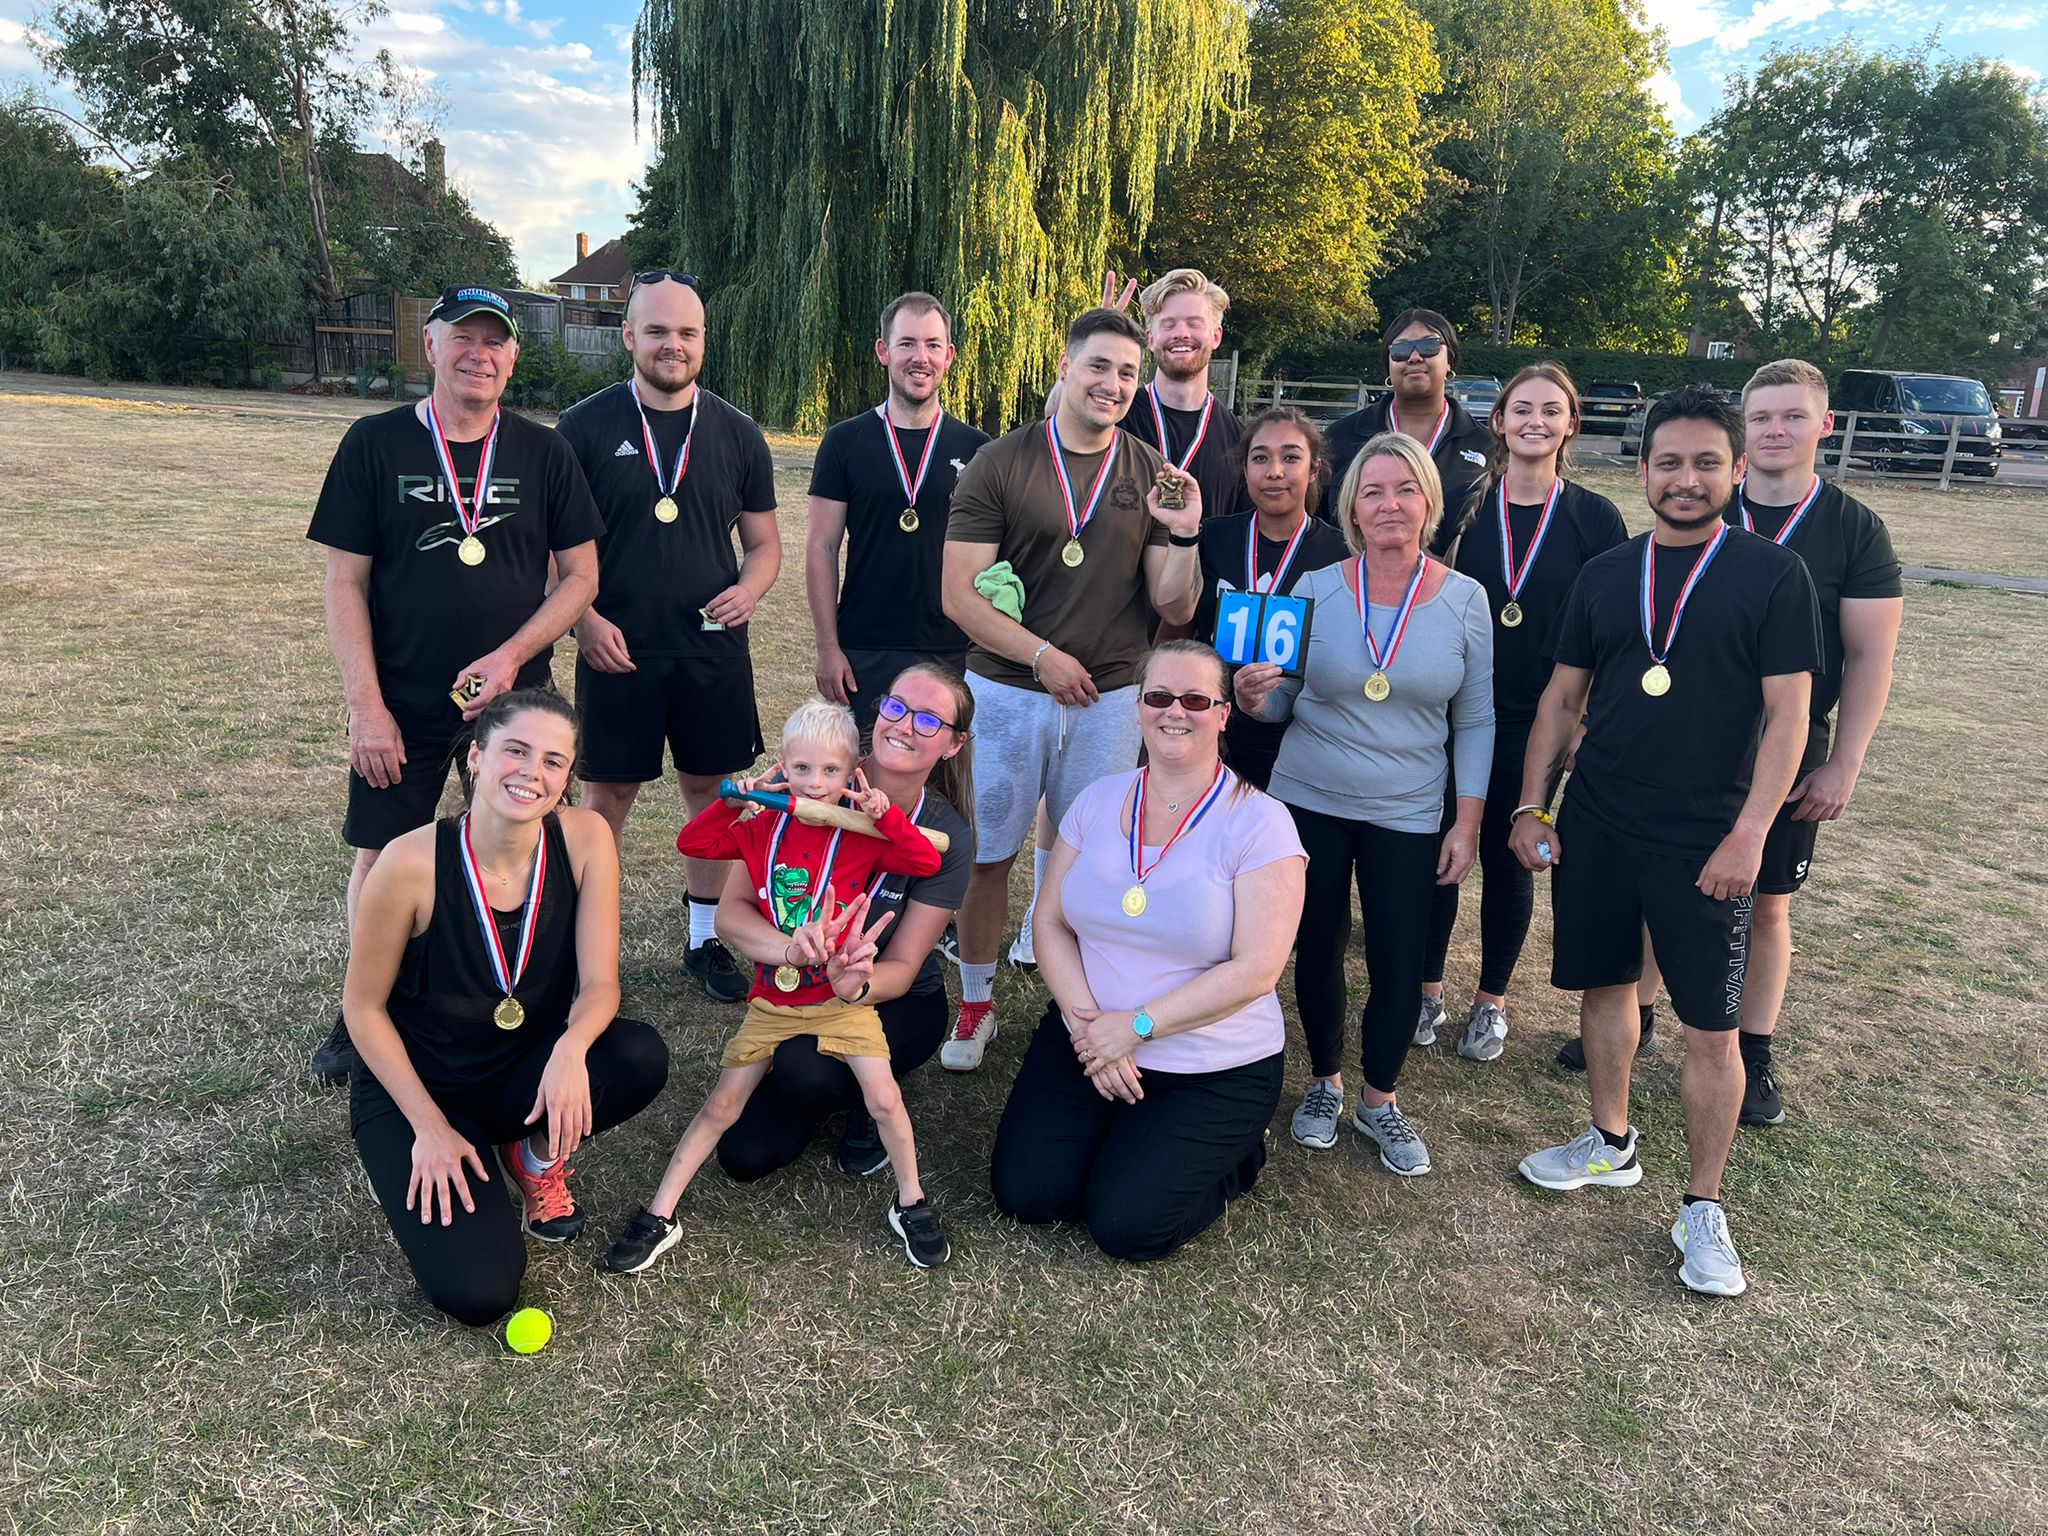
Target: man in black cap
{"points": [[441, 519]]}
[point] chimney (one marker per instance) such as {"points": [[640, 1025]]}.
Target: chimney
{"points": [[582, 246], [434, 166]]}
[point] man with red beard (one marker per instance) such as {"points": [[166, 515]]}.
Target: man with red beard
{"points": [[881, 486]]}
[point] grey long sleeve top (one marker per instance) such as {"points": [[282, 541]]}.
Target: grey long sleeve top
{"points": [[1386, 762]]}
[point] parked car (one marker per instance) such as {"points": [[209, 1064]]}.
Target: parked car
{"points": [[1479, 396], [1632, 429], [1607, 405], [1918, 405]]}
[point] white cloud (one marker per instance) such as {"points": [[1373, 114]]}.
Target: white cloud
{"points": [[1686, 22], [2025, 72], [1998, 21], [1664, 89], [1731, 29]]}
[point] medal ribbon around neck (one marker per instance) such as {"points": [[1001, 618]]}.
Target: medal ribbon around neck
{"points": [[915, 812], [911, 487], [1649, 588], [1256, 582], [1784, 534], [507, 974], [1196, 812], [1059, 467], [817, 892], [667, 484], [471, 515], [1201, 428], [1518, 575], [1394, 421], [1384, 663]]}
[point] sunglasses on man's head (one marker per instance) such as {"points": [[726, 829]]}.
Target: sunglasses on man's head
{"points": [[1193, 703], [667, 275], [1421, 346], [922, 721]]}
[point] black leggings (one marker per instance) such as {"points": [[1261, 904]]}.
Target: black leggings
{"points": [[1396, 873], [1145, 1177], [1507, 892], [804, 1086], [472, 1267]]}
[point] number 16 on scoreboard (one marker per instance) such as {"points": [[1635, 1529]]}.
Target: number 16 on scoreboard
{"points": [[1257, 626]]}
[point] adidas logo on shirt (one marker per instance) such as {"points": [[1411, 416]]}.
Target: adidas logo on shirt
{"points": [[625, 451]]}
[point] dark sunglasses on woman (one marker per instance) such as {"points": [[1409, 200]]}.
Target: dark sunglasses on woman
{"points": [[1421, 346], [1193, 703], [922, 721]]}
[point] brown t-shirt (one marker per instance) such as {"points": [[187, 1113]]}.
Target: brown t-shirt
{"points": [[1097, 612]]}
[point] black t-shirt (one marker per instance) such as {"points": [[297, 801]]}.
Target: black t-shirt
{"points": [[653, 576], [429, 613], [1671, 773], [1585, 524], [1848, 553], [1460, 453], [1223, 568], [889, 599], [1213, 465], [946, 889]]}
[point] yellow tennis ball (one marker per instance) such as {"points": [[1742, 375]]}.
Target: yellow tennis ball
{"points": [[529, 1330]]}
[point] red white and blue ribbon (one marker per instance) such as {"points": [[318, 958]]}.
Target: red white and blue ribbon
{"points": [[470, 514], [1165, 443], [911, 487], [915, 812], [1188, 823], [1394, 421], [1784, 534], [1385, 662], [1254, 582], [506, 970], [1076, 522], [1649, 589], [1517, 575], [663, 482], [816, 892]]}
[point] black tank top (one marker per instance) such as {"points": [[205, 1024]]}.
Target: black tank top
{"points": [[442, 1000]]}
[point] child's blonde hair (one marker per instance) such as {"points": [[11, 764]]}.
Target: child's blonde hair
{"points": [[825, 723]]}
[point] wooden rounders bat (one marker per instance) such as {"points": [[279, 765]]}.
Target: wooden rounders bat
{"points": [[822, 813]]}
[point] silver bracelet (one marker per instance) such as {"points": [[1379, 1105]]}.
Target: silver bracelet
{"points": [[1043, 647]]}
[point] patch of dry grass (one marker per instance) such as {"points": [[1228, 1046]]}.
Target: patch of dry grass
{"points": [[208, 1328]]}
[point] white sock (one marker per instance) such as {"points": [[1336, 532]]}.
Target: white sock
{"points": [[535, 1166], [703, 921], [977, 983]]}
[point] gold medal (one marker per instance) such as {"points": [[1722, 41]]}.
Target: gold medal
{"points": [[509, 1014], [665, 509], [1657, 681], [908, 521], [1134, 901], [1173, 493], [470, 551], [1511, 616], [1073, 554], [788, 978], [1377, 687]]}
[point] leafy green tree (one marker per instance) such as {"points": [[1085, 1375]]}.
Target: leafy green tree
{"points": [[1293, 210], [819, 157]]}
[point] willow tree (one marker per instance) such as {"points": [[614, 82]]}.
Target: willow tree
{"points": [[818, 156]]}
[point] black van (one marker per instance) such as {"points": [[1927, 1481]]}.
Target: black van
{"points": [[1922, 405]]}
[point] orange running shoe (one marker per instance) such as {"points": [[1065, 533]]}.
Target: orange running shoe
{"points": [[550, 1213]]}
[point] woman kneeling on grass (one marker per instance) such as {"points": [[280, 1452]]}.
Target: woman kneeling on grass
{"points": [[482, 992], [1164, 923]]}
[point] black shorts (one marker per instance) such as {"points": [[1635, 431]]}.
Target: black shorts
{"points": [[376, 816], [1788, 854], [701, 706], [875, 670], [1608, 889]]}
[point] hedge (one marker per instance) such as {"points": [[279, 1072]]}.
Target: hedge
{"points": [[1654, 371]]}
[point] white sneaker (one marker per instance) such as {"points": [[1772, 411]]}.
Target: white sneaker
{"points": [[972, 1030], [1429, 1020], [1486, 1033], [1585, 1159], [1711, 1264], [1022, 956]]}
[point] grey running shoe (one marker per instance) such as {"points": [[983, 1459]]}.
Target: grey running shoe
{"points": [[1585, 1159], [1315, 1123], [1712, 1266], [1486, 1033], [1401, 1150], [1430, 1020]]}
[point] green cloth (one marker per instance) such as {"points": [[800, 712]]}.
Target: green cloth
{"points": [[1003, 589]]}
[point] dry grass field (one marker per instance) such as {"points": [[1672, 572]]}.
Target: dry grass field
{"points": [[207, 1328]]}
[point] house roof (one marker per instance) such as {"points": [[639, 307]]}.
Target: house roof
{"points": [[608, 264], [390, 184]]}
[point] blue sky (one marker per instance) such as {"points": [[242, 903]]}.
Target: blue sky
{"points": [[540, 127]]}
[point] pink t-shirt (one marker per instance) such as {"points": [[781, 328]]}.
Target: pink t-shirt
{"points": [[1189, 917]]}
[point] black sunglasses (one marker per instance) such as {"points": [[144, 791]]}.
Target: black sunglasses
{"points": [[922, 721], [666, 275], [1421, 346], [1193, 703]]}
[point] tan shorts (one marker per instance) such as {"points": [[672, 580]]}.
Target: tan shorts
{"points": [[843, 1029]]}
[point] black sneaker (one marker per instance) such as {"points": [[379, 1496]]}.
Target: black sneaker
{"points": [[861, 1153], [711, 967], [646, 1238], [1760, 1102], [336, 1057], [1572, 1054], [923, 1238]]}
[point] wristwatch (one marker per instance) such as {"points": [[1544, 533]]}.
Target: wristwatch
{"points": [[1141, 1024]]}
